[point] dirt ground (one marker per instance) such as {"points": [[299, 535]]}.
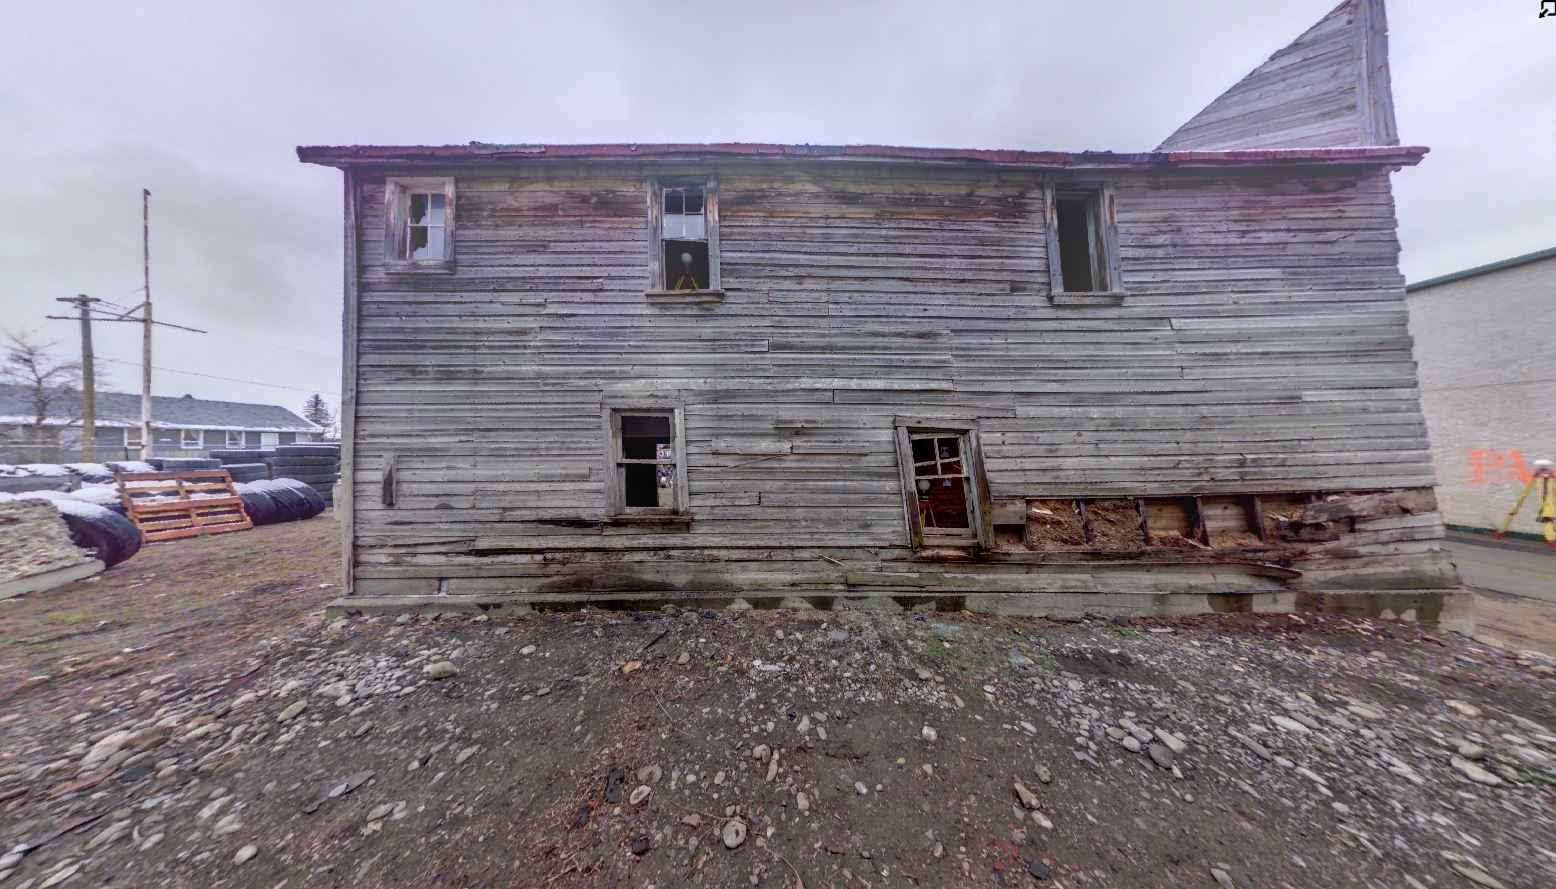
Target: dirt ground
{"points": [[190, 719]]}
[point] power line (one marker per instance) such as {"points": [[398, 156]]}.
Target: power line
{"points": [[276, 346], [215, 377]]}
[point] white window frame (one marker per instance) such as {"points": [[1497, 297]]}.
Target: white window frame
{"points": [[397, 200], [234, 434], [615, 495], [183, 439], [657, 186]]}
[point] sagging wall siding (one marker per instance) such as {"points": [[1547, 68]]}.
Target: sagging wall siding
{"points": [[1263, 347]]}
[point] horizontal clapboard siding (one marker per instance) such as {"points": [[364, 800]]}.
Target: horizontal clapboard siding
{"points": [[1330, 87], [1262, 348]]}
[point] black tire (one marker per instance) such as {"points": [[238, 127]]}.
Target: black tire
{"points": [[305, 460], [316, 502], [109, 537], [262, 508], [248, 472], [310, 449], [234, 455], [183, 464], [308, 478], [290, 505]]}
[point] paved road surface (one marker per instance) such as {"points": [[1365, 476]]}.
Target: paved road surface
{"points": [[1520, 569]]}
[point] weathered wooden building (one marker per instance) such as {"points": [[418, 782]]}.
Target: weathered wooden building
{"points": [[1010, 379]]}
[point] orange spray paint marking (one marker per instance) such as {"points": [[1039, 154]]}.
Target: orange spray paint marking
{"points": [[1488, 466]]}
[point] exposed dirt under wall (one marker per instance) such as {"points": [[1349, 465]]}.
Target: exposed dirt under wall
{"points": [[1114, 524], [1054, 526]]}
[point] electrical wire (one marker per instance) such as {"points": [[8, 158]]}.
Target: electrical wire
{"points": [[191, 373]]}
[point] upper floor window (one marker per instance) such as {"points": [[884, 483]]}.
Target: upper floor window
{"points": [[419, 220], [684, 222], [1082, 239]]}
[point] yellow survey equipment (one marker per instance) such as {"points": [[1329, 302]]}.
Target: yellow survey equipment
{"points": [[1545, 477]]}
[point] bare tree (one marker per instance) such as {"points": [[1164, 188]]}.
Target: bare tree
{"points": [[50, 391]]}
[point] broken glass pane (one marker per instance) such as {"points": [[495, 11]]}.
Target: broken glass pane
{"points": [[418, 211], [426, 242]]}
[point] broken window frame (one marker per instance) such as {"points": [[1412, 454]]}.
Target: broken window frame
{"points": [[1102, 222], [658, 273], [980, 506], [615, 489], [398, 193]]}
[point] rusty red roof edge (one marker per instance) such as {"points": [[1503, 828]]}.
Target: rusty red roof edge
{"points": [[351, 155]]}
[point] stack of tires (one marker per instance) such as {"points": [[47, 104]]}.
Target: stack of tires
{"points": [[269, 501], [316, 464], [242, 465]]}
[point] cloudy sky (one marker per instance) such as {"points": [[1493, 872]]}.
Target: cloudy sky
{"points": [[204, 102]]}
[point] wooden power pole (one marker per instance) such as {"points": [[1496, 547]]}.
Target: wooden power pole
{"points": [[88, 376], [145, 349]]}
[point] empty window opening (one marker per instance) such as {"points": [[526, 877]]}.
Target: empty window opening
{"points": [[647, 463], [646, 472], [942, 483], [685, 257], [1080, 251]]}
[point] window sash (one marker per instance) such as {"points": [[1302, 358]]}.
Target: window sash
{"points": [[701, 226], [968, 472], [419, 210]]}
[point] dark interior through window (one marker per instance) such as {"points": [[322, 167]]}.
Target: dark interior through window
{"points": [[941, 478], [686, 265], [646, 438], [1077, 243]]}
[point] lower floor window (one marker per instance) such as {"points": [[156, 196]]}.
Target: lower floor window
{"points": [[940, 478], [947, 497], [647, 475]]}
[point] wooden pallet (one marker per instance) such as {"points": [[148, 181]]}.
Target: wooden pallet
{"points": [[162, 519]]}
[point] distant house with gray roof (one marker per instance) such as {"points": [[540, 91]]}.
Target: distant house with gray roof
{"points": [[181, 426]]}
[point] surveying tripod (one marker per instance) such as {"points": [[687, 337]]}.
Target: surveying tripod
{"points": [[1545, 477]]}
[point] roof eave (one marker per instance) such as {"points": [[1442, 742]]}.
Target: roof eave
{"points": [[344, 156]]}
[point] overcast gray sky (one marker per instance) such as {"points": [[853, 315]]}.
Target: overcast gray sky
{"points": [[203, 102]]}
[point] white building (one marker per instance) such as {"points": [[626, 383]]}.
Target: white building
{"points": [[1484, 343]]}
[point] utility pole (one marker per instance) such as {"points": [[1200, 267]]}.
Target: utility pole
{"points": [[88, 382], [145, 359], [127, 316]]}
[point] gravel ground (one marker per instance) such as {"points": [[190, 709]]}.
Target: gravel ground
{"points": [[738, 748]]}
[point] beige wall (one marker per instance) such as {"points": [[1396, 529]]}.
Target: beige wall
{"points": [[1485, 346]]}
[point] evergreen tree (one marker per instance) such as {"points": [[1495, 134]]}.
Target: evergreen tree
{"points": [[317, 411]]}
